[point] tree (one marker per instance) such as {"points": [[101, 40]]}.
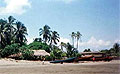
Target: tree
{"points": [[56, 53], [71, 51], [45, 33], [73, 36], [2, 33], [11, 32], [20, 33], [62, 44], [10, 49], [78, 36], [7, 30], [54, 37], [116, 47], [39, 46]]}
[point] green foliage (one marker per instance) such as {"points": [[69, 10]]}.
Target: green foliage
{"points": [[71, 51], [9, 50], [27, 54], [56, 54], [78, 55], [24, 47], [64, 54], [48, 58], [11, 32], [38, 46], [115, 51]]}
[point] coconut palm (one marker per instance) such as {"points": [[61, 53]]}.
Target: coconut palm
{"points": [[73, 36], [54, 37], [71, 51], [20, 34], [7, 31], [2, 32], [45, 32], [78, 36]]}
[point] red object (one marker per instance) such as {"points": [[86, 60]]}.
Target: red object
{"points": [[93, 58]]}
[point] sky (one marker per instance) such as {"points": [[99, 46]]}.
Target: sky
{"points": [[96, 20]]}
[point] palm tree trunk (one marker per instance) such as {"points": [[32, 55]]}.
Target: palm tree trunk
{"points": [[73, 41], [77, 43]]}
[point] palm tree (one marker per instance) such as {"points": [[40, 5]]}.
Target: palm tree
{"points": [[78, 36], [73, 36], [116, 47], [62, 44], [7, 31], [20, 33], [45, 32], [2, 33], [54, 37], [71, 51]]}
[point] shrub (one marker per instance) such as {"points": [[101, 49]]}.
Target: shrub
{"points": [[56, 54], [27, 55], [39, 45], [48, 58], [9, 50]]}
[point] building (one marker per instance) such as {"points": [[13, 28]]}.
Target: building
{"points": [[94, 54]]}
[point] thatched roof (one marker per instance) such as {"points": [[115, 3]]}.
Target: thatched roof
{"points": [[15, 55], [40, 53]]}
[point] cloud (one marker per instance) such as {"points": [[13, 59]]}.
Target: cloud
{"points": [[29, 40], [95, 44], [65, 1], [65, 40], [117, 41], [15, 7]]}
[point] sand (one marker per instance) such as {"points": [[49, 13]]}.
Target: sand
{"points": [[10, 66]]}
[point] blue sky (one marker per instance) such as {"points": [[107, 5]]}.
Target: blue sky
{"points": [[97, 20]]}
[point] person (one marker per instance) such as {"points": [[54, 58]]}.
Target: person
{"points": [[43, 61], [93, 59]]}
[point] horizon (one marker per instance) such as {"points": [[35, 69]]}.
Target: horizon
{"points": [[97, 21]]}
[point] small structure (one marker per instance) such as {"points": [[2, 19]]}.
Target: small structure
{"points": [[15, 56], [94, 54], [40, 53]]}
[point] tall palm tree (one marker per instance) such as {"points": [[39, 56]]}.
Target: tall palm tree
{"points": [[73, 36], [20, 34], [78, 36], [7, 31], [54, 37], [45, 32], [2, 33]]}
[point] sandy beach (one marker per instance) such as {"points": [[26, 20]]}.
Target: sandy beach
{"points": [[10, 66]]}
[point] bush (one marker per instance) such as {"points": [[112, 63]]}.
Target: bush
{"points": [[39, 45], [9, 50], [27, 55], [56, 54], [48, 58]]}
